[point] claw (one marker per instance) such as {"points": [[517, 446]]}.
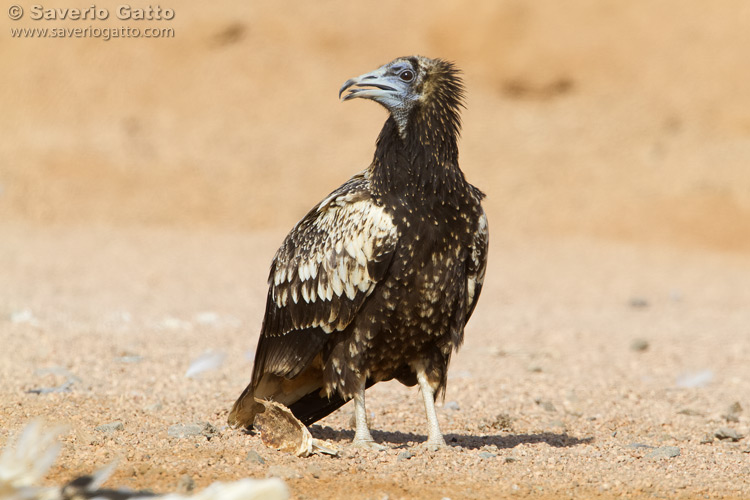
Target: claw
{"points": [[367, 445], [435, 445]]}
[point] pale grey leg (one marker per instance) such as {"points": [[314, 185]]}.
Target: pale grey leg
{"points": [[434, 437], [362, 435]]}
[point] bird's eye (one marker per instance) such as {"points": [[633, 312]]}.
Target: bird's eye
{"points": [[407, 75]]}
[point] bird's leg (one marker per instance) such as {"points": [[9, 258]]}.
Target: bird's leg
{"points": [[362, 436], [360, 414], [434, 437]]}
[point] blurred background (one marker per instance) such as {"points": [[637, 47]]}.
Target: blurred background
{"points": [[145, 185], [623, 120]]}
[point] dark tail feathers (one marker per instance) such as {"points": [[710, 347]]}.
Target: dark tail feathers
{"points": [[312, 407]]}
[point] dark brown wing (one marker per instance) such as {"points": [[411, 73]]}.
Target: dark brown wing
{"points": [[320, 277], [477, 264]]}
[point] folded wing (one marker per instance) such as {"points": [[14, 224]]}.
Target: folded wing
{"points": [[324, 271]]}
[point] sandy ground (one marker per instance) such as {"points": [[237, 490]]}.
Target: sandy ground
{"points": [[549, 397], [145, 185]]}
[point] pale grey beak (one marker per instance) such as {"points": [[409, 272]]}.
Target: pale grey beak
{"points": [[371, 85]]}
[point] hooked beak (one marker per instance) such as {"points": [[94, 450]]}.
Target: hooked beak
{"points": [[368, 86]]}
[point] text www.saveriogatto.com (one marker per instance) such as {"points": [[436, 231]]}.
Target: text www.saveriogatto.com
{"points": [[39, 13]]}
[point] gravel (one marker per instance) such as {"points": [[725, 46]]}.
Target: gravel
{"points": [[733, 412], [64, 387], [663, 452], [639, 445], [186, 484], [254, 457], [283, 472], [606, 400], [547, 405], [188, 430], [314, 470], [707, 439], [727, 433], [691, 412], [110, 427]]}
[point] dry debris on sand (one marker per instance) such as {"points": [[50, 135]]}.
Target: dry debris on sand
{"points": [[26, 459]]}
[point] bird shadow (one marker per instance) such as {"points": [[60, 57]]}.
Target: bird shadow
{"points": [[468, 441]]}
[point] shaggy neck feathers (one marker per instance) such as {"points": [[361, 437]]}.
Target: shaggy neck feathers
{"points": [[420, 160]]}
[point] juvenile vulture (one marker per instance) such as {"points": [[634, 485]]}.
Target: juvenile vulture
{"points": [[378, 280]]}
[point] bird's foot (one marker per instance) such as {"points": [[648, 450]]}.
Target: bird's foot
{"points": [[435, 444], [365, 444]]}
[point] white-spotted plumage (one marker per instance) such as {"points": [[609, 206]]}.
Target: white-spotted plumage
{"points": [[328, 255], [379, 279]]}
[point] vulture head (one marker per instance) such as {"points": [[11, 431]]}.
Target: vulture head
{"points": [[409, 85]]}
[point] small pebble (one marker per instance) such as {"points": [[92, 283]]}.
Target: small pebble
{"points": [[547, 405], [209, 430], [185, 484], [707, 439], [205, 362], [283, 472], [510, 460], [314, 470], [130, 358], [503, 421], [460, 374], [497, 351], [110, 427], [690, 412], [663, 452], [639, 445], [639, 345], [451, 405], [254, 457], [691, 380], [186, 430], [64, 387], [22, 316], [735, 408], [404, 455], [638, 303], [487, 454], [728, 433], [733, 412], [170, 323], [207, 318]]}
